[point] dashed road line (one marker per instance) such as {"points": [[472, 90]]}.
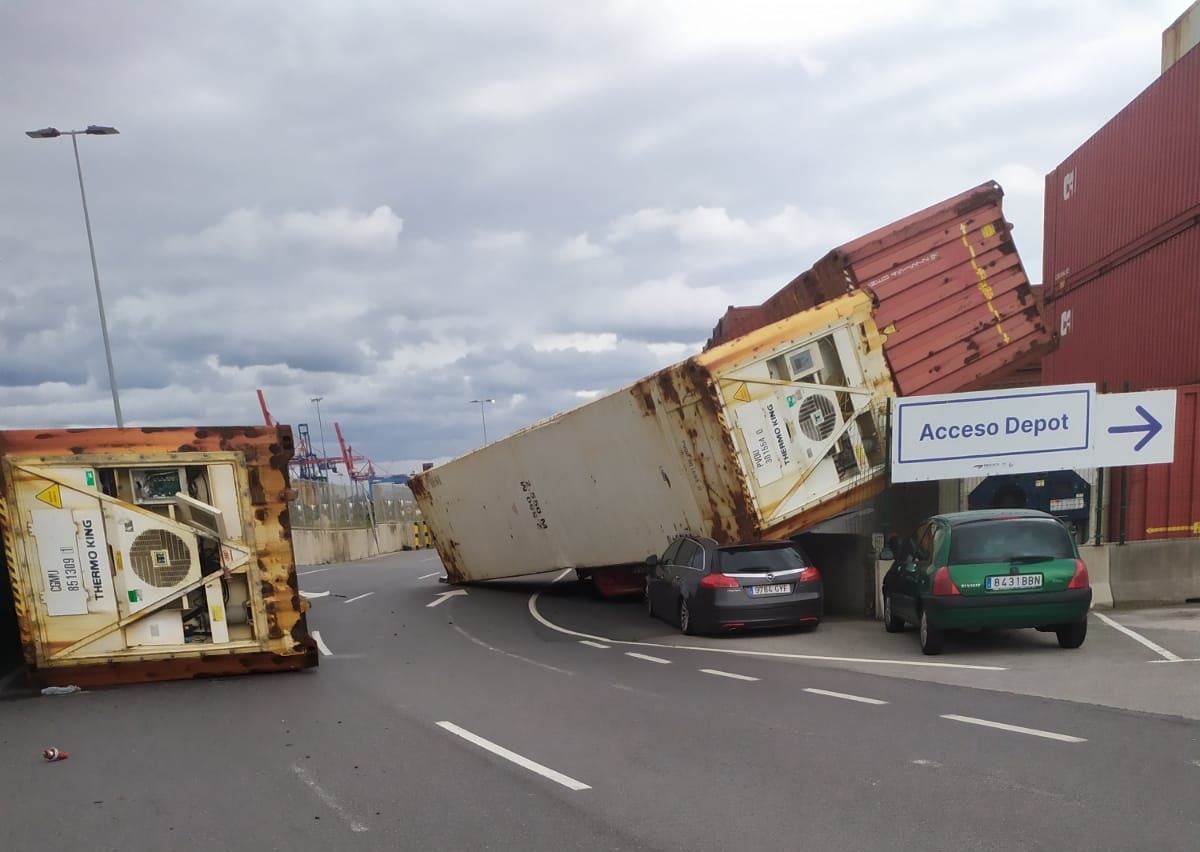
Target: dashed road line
{"points": [[1133, 634], [327, 798], [730, 675], [592, 644], [427, 576], [316, 571], [311, 595], [647, 658], [483, 644], [511, 756], [321, 646], [359, 598], [862, 699], [1016, 729]]}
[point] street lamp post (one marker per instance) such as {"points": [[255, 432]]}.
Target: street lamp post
{"points": [[321, 427], [92, 130], [482, 403]]}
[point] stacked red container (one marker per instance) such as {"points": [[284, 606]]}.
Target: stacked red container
{"points": [[1122, 250]]}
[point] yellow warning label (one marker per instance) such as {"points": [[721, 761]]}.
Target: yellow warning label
{"points": [[52, 496], [988, 230], [217, 613], [742, 394]]}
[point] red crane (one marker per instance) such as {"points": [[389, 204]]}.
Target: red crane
{"points": [[358, 467]]}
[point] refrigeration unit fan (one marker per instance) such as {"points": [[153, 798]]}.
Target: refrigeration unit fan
{"points": [[818, 417]]}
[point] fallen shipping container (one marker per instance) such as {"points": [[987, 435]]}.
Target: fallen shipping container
{"points": [[951, 295], [151, 554], [760, 437]]}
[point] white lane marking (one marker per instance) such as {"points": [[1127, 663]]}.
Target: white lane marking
{"points": [[483, 644], [932, 763], [731, 675], [427, 576], [1016, 729], [647, 658], [359, 598], [327, 799], [847, 696], [445, 596], [315, 571], [1132, 634], [321, 646], [545, 622], [1191, 660], [524, 762], [592, 644], [311, 595]]}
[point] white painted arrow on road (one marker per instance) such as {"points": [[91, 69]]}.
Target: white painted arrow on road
{"points": [[311, 595], [445, 596]]}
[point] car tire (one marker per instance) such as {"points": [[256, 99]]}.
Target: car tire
{"points": [[686, 625], [892, 623], [649, 601], [1071, 635], [932, 638]]}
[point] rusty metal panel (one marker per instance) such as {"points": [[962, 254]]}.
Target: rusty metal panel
{"points": [[1163, 500], [101, 577], [734, 444], [951, 294], [1138, 323], [1132, 185]]}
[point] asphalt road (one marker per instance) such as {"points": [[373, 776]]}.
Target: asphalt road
{"points": [[471, 724]]}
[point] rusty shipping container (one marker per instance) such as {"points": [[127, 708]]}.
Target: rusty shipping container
{"points": [[151, 554], [760, 437], [1138, 323], [1163, 500], [952, 297], [1131, 186]]}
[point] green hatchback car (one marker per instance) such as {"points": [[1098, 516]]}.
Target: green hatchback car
{"points": [[997, 568]]}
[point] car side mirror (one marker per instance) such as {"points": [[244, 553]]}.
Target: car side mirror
{"points": [[652, 560]]}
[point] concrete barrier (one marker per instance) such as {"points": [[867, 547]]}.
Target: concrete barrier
{"points": [[322, 546], [1165, 571], [1095, 557]]}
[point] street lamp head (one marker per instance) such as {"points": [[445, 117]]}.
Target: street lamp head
{"points": [[44, 133], [480, 401], [97, 130]]}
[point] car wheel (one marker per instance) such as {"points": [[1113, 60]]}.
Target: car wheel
{"points": [[931, 637], [685, 619], [649, 601], [1071, 635], [892, 623]]}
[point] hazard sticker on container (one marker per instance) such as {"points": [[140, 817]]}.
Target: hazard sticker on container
{"points": [[742, 394], [51, 496]]}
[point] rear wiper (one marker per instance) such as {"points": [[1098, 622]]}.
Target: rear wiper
{"points": [[1028, 560]]}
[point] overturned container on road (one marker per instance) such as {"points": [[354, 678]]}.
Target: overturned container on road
{"points": [[150, 554], [779, 425]]}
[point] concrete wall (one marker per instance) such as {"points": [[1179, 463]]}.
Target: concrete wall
{"points": [[321, 546], [1154, 571]]}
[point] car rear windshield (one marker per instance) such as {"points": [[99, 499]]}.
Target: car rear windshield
{"points": [[1009, 540], [761, 560]]}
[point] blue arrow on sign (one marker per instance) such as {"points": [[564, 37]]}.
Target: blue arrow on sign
{"points": [[1151, 427]]}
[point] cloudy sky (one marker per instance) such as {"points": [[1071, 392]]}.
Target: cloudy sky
{"points": [[401, 206]]}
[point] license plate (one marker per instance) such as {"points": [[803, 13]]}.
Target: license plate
{"points": [[777, 589], [1013, 581]]}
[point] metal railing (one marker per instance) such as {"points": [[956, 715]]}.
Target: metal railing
{"points": [[327, 505]]}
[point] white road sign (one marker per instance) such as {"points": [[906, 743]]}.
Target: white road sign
{"points": [[1028, 430], [1135, 428]]}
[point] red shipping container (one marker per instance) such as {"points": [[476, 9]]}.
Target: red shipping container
{"points": [[1138, 323], [951, 294], [1163, 500], [1128, 187]]}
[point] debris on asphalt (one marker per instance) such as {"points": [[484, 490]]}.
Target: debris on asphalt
{"points": [[61, 690], [53, 755]]}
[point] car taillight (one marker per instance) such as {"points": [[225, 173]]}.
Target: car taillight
{"points": [[719, 581], [809, 575], [1080, 579], [942, 584]]}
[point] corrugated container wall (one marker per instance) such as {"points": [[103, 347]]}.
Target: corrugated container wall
{"points": [[1138, 323], [951, 294], [1130, 186], [1163, 500]]}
